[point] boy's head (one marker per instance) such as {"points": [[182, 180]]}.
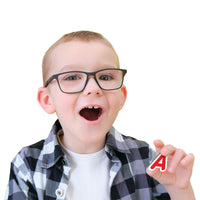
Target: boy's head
{"points": [[84, 86], [85, 36]]}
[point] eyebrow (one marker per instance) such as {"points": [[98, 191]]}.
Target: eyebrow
{"points": [[80, 67], [69, 68]]}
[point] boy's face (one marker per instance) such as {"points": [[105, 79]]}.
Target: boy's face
{"points": [[80, 132]]}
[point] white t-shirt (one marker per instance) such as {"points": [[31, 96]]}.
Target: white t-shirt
{"points": [[89, 176]]}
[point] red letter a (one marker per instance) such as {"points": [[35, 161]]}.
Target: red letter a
{"points": [[159, 162]]}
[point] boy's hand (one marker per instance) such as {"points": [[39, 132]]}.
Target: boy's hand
{"points": [[179, 168]]}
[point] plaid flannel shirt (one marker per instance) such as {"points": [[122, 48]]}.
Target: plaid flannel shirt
{"points": [[41, 171]]}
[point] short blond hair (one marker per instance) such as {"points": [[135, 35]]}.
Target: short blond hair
{"points": [[85, 36]]}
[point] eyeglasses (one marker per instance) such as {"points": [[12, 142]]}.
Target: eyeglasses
{"points": [[76, 81]]}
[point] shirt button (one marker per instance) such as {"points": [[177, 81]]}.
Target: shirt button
{"points": [[59, 192]]}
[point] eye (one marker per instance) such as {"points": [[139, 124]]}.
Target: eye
{"points": [[106, 77], [71, 77]]}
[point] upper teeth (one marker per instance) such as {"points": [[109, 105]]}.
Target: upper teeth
{"points": [[92, 107]]}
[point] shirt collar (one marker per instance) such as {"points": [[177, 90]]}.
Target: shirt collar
{"points": [[52, 151], [115, 140]]}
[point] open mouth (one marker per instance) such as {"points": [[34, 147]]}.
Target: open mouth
{"points": [[91, 113]]}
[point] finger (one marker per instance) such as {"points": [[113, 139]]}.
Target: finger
{"points": [[188, 161], [176, 159], [158, 145], [168, 150]]}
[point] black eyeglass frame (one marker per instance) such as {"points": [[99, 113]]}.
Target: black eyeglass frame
{"points": [[55, 76]]}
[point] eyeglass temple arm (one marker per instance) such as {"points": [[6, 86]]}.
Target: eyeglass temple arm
{"points": [[50, 79]]}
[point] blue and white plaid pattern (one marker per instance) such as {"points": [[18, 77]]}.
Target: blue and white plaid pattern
{"points": [[41, 171]]}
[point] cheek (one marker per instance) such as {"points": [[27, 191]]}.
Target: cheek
{"points": [[115, 104], [64, 105]]}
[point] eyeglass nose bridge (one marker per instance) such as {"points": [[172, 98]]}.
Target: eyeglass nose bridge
{"points": [[94, 75]]}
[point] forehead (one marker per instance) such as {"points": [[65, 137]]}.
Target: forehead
{"points": [[81, 55]]}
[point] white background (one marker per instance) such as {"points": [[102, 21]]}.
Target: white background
{"points": [[157, 41]]}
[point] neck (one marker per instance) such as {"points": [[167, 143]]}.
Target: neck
{"points": [[81, 147]]}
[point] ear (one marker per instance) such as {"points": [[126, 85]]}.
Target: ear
{"points": [[45, 100], [124, 95]]}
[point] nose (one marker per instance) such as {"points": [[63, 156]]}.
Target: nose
{"points": [[92, 87]]}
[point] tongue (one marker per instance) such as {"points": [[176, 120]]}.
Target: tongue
{"points": [[90, 114]]}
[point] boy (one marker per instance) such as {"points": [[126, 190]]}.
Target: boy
{"points": [[84, 157]]}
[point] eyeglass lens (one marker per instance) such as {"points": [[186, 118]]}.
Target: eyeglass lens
{"points": [[71, 82]]}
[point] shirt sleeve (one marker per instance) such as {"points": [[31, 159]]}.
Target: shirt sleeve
{"points": [[20, 185]]}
